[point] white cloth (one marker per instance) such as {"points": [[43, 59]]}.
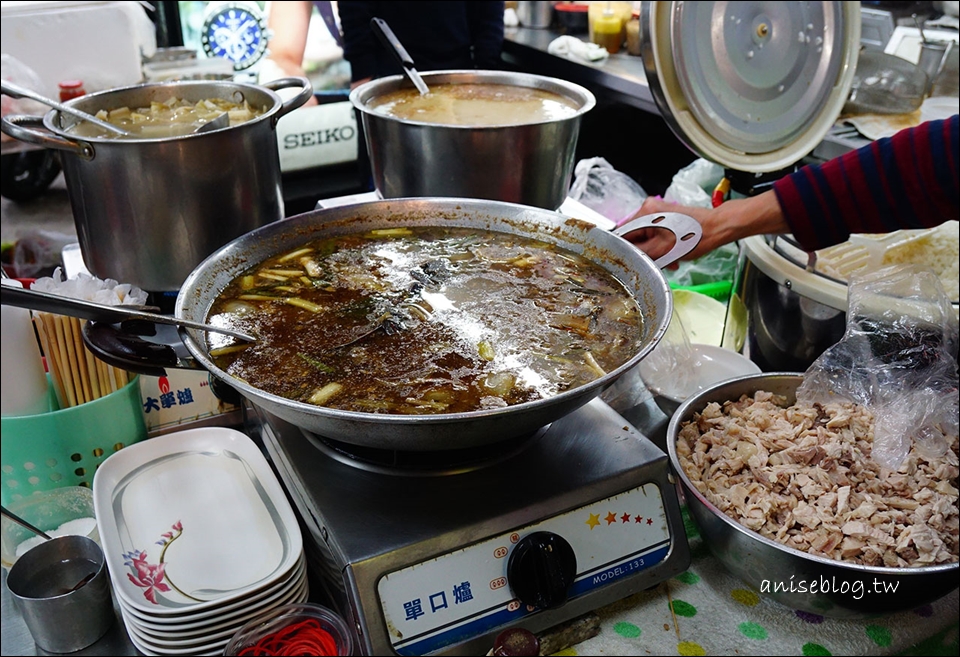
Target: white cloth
{"points": [[577, 50], [708, 611]]}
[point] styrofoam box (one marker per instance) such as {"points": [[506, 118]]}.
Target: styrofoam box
{"points": [[100, 43]]}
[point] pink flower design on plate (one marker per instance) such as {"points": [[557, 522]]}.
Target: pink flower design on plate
{"points": [[147, 576]]}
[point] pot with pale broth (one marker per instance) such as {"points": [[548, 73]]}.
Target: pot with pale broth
{"points": [[496, 135]]}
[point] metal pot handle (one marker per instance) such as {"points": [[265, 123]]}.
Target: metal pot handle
{"points": [[685, 228], [121, 345], [14, 125], [295, 102], [126, 350]]}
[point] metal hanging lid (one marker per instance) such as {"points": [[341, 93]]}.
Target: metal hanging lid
{"points": [[752, 86]]}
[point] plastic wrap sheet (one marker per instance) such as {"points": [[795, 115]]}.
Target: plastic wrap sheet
{"points": [[898, 358]]}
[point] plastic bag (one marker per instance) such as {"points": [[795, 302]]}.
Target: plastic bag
{"points": [[15, 71], [672, 366], [602, 188], [898, 359], [717, 265], [35, 252], [690, 184]]}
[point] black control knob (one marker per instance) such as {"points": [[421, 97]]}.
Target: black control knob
{"points": [[541, 569]]}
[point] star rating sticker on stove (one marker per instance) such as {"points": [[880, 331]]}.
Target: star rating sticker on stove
{"points": [[594, 520]]}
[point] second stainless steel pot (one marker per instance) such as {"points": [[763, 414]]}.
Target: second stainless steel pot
{"points": [[147, 211], [528, 163], [632, 267]]}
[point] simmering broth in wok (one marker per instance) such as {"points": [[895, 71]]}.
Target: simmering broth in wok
{"points": [[425, 320], [476, 105]]}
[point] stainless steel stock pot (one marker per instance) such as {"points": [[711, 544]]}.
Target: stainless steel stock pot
{"points": [[148, 211]]}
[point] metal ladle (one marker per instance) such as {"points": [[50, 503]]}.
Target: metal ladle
{"points": [[919, 24], [16, 91], [54, 303], [221, 121], [392, 43]]}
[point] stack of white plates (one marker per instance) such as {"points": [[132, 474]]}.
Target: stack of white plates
{"points": [[199, 539]]}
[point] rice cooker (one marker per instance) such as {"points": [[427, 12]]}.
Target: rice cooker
{"points": [[789, 306]]}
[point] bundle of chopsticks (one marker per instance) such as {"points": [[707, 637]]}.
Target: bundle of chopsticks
{"points": [[78, 376]]}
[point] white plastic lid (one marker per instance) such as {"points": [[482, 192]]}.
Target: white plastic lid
{"points": [[752, 86]]}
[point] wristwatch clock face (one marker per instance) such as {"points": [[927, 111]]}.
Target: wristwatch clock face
{"points": [[236, 32]]}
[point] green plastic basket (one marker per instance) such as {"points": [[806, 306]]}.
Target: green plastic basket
{"points": [[64, 447], [719, 290]]}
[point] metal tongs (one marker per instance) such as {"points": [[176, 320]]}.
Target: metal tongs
{"points": [[55, 303]]}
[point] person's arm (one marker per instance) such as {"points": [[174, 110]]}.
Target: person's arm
{"points": [[733, 220], [359, 42], [290, 22], [486, 33], [909, 180]]}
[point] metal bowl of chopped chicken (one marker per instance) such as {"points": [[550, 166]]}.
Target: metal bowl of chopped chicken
{"points": [[788, 499]]}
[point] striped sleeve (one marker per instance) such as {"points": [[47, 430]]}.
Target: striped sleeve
{"points": [[909, 180]]}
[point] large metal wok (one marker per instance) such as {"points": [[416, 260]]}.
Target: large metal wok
{"points": [[452, 430]]}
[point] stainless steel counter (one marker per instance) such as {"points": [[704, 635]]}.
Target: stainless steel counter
{"points": [[620, 77], [18, 641]]}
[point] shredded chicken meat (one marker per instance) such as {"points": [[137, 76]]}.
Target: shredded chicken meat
{"points": [[803, 476]]}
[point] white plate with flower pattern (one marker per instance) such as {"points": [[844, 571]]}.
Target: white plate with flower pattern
{"points": [[298, 594], [210, 619], [211, 642], [192, 521]]}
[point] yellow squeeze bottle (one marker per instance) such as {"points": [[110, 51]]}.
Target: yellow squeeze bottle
{"points": [[608, 30]]}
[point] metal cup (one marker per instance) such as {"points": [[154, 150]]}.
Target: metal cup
{"points": [[535, 14], [932, 55], [63, 592]]}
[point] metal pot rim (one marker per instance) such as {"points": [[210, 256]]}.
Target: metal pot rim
{"points": [[698, 401], [52, 123], [366, 92]]}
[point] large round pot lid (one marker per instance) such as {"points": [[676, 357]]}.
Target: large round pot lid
{"points": [[752, 86]]}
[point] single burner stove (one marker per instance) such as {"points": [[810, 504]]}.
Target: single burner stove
{"points": [[420, 464], [437, 553]]}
